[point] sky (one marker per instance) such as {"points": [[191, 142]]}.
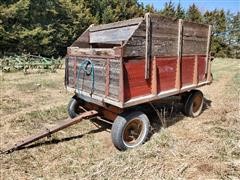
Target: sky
{"points": [[232, 5]]}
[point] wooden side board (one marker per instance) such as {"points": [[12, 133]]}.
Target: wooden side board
{"points": [[105, 78], [148, 46], [76, 51], [130, 22], [164, 38], [163, 78], [195, 38], [117, 34], [161, 35]]}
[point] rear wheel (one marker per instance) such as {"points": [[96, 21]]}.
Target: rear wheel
{"points": [[73, 107], [193, 103], [130, 130]]}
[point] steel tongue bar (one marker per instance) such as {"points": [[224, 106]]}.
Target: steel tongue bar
{"points": [[47, 132]]}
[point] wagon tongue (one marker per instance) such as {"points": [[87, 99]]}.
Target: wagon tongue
{"points": [[48, 131]]}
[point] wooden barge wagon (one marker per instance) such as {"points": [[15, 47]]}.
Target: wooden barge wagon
{"points": [[118, 67]]}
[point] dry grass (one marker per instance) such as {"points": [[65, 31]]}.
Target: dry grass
{"points": [[207, 147]]}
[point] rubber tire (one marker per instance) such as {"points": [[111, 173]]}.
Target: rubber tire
{"points": [[73, 107], [188, 104], [119, 125]]}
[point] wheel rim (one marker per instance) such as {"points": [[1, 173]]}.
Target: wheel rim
{"points": [[197, 102], [133, 131]]}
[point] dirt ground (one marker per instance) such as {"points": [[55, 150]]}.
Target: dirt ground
{"points": [[206, 147]]}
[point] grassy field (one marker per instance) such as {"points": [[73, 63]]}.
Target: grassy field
{"points": [[207, 147]]}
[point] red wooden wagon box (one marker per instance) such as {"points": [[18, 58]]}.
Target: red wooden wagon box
{"points": [[116, 68]]}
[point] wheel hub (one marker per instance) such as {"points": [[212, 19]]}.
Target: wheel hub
{"points": [[132, 132], [197, 103]]}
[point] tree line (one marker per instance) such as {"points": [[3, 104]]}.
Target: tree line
{"points": [[49, 27]]}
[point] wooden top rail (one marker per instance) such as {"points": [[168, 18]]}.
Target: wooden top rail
{"points": [[118, 24]]}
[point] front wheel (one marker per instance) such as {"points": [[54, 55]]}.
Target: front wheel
{"points": [[73, 107], [130, 130]]}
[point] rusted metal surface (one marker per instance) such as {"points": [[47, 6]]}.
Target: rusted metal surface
{"points": [[48, 131]]}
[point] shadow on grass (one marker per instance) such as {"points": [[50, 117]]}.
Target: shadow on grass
{"points": [[56, 141], [169, 115]]}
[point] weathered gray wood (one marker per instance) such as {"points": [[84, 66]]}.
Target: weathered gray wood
{"points": [[165, 46], [118, 24], [141, 30], [75, 51], [194, 38], [179, 54], [164, 25], [195, 30], [191, 47], [84, 82], [208, 64], [113, 90], [164, 38], [147, 45], [112, 35]]}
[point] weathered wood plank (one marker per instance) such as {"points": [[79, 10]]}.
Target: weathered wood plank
{"points": [[147, 46], [84, 83], [113, 91], [195, 30], [194, 47], [157, 30], [118, 24], [160, 47], [194, 38], [107, 78], [164, 25], [179, 58], [164, 38], [75, 51], [208, 61], [112, 35]]}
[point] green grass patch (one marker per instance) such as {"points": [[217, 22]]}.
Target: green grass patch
{"points": [[222, 67], [236, 80]]}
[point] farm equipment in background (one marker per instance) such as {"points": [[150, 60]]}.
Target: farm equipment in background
{"points": [[26, 62]]}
